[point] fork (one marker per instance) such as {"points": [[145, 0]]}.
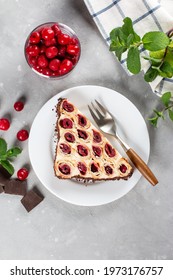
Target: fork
{"points": [[106, 123]]}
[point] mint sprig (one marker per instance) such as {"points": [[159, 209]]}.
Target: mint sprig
{"points": [[158, 44], [6, 156], [167, 107]]}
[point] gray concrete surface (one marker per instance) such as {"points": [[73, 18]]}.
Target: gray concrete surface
{"points": [[137, 226]]}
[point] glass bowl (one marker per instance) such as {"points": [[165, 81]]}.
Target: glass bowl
{"points": [[52, 50]]}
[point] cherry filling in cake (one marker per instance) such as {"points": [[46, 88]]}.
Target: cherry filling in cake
{"points": [[69, 137], [97, 151], [64, 168], [94, 167], [83, 151], [108, 170], [66, 123], [65, 148], [82, 134], [82, 120], [110, 150], [96, 136], [82, 168], [123, 168], [68, 106]]}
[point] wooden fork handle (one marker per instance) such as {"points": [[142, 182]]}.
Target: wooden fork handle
{"points": [[141, 166]]}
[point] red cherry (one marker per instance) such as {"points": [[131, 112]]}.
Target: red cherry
{"points": [[42, 61], [56, 29], [123, 168], [18, 106], [32, 50], [43, 49], [49, 43], [54, 64], [22, 174], [4, 124], [64, 39], [47, 33], [65, 66], [32, 60], [51, 52], [73, 49], [47, 72], [35, 37], [61, 51], [22, 135]]}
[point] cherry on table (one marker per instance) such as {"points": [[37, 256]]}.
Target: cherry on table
{"points": [[22, 135], [4, 124], [18, 106], [22, 174]]}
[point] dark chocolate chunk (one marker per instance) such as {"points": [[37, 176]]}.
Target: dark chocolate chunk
{"points": [[1, 189], [4, 172], [15, 186], [32, 199], [3, 180]]}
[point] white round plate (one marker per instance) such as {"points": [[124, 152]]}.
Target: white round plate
{"points": [[131, 127]]}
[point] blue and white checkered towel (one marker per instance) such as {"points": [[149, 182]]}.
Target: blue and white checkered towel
{"points": [[147, 15]]}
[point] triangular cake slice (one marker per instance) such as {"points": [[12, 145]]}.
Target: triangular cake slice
{"points": [[82, 151]]}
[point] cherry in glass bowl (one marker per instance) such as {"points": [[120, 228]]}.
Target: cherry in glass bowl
{"points": [[52, 50]]}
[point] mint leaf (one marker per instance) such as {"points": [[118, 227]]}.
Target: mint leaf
{"points": [[8, 166], [153, 121], [130, 40], [155, 41], [165, 98], [166, 70], [127, 29], [170, 114], [150, 75], [133, 60], [14, 152], [3, 146], [114, 34], [154, 61]]}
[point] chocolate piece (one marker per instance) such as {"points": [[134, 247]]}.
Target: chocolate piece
{"points": [[15, 186], [32, 199], [4, 172], [1, 189]]}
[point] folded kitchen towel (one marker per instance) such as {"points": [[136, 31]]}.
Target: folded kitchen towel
{"points": [[147, 15]]}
